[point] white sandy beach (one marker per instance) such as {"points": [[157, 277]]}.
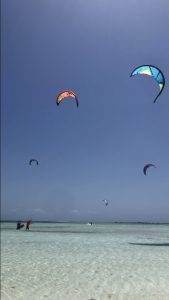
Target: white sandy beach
{"points": [[80, 262]]}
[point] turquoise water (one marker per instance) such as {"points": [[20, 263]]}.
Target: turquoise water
{"points": [[65, 261]]}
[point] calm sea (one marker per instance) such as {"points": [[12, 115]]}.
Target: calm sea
{"points": [[65, 261]]}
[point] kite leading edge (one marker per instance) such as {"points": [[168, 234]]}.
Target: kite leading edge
{"points": [[151, 71], [146, 167], [66, 94]]}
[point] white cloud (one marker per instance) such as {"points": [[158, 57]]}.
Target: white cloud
{"points": [[75, 211], [91, 212], [38, 211]]}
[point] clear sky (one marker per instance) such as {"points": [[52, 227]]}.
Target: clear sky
{"points": [[96, 151]]}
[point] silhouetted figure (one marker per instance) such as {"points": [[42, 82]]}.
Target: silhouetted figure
{"points": [[19, 225], [28, 224]]}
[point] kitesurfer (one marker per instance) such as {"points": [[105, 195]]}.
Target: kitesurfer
{"points": [[19, 225], [28, 224]]}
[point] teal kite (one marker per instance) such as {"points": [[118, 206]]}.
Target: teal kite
{"points": [[151, 71]]}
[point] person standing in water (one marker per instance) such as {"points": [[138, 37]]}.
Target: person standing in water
{"points": [[28, 224], [19, 225]]}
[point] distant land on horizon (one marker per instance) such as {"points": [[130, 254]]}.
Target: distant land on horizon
{"points": [[83, 222]]}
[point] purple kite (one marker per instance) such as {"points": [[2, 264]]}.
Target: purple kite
{"points": [[146, 167]]}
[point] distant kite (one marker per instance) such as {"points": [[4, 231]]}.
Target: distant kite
{"points": [[106, 202], [146, 167], [66, 94], [35, 160], [152, 71]]}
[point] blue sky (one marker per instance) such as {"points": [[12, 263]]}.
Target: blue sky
{"points": [[97, 151]]}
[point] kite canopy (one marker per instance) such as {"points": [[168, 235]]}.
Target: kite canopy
{"points": [[66, 94], [151, 71], [146, 167], [35, 160], [106, 202]]}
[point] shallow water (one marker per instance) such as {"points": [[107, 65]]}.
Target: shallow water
{"points": [[65, 261]]}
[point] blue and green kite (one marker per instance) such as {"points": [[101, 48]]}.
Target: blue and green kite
{"points": [[151, 71]]}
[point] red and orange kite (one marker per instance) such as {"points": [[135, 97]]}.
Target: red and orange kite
{"points": [[66, 94]]}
